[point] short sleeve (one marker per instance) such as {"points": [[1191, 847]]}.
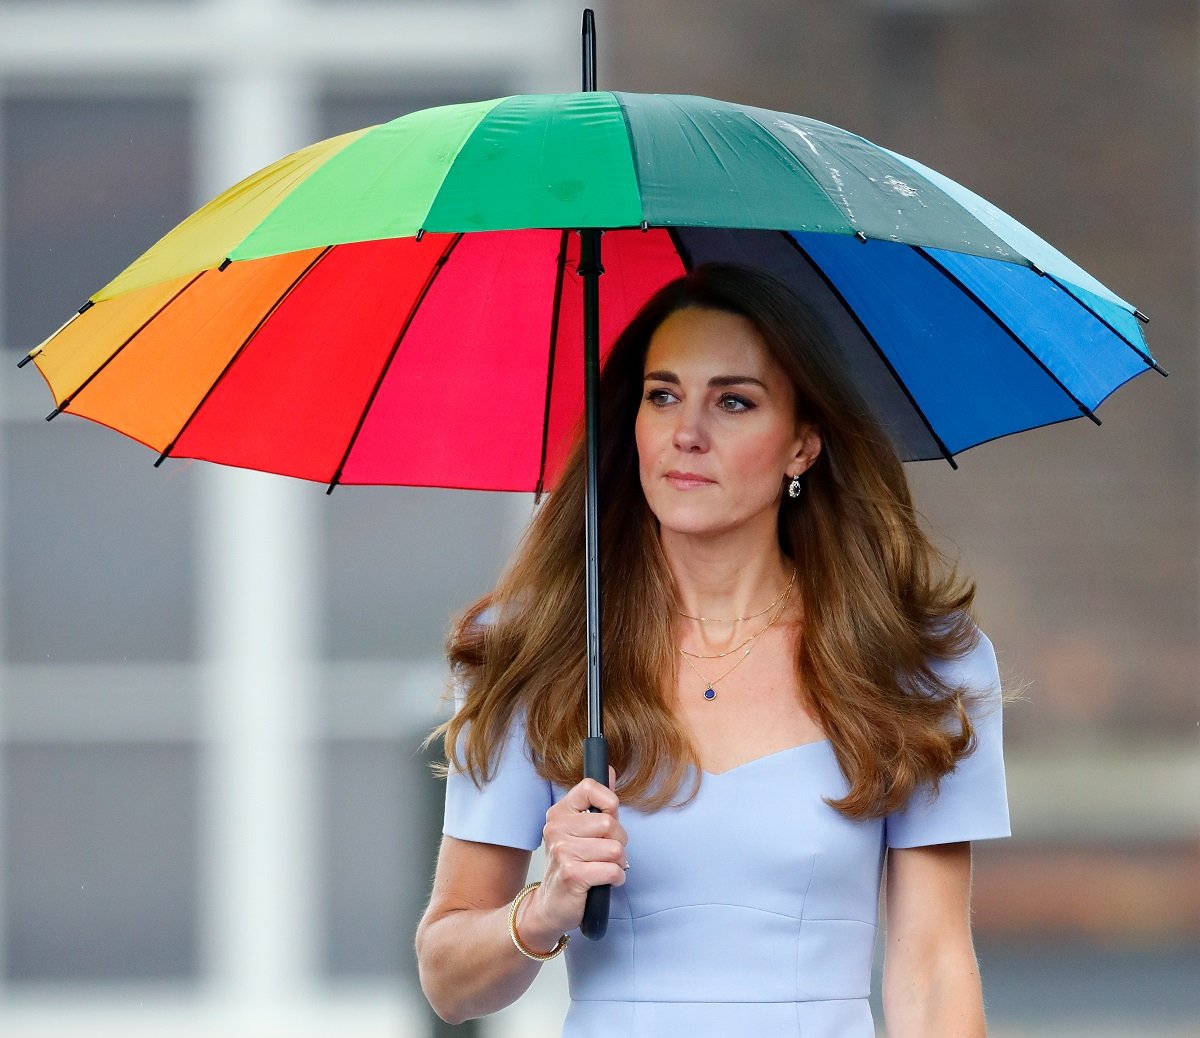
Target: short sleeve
{"points": [[510, 810], [972, 800]]}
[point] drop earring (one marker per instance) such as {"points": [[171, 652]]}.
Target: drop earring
{"points": [[794, 487]]}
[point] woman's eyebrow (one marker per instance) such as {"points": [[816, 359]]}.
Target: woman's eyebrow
{"points": [[736, 380], [717, 381]]}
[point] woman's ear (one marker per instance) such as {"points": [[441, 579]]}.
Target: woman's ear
{"points": [[808, 449]]}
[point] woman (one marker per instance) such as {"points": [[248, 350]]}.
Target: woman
{"points": [[794, 694]]}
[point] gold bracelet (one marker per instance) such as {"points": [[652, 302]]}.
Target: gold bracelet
{"points": [[512, 930]]}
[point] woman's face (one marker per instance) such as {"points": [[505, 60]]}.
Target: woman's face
{"points": [[716, 430]]}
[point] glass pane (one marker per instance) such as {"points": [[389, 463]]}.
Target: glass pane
{"points": [[345, 107], [381, 819], [52, 4], [98, 556], [100, 851], [89, 184], [399, 562], [400, 3]]}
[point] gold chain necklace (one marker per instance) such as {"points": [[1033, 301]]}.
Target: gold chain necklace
{"points": [[721, 655], [710, 692], [750, 616]]}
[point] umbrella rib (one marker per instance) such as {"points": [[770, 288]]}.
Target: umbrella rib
{"points": [[554, 315], [408, 320], [1003, 326], [883, 357], [1124, 338], [67, 400], [36, 352], [685, 255], [238, 352]]}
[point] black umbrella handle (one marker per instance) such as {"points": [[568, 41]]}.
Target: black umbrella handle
{"points": [[595, 909]]}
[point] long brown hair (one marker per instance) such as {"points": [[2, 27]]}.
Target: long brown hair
{"points": [[880, 604]]}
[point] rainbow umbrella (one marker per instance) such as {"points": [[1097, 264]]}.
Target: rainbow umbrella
{"points": [[304, 321], [409, 303]]}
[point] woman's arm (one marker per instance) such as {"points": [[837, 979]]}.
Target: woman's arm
{"points": [[931, 985], [468, 963]]}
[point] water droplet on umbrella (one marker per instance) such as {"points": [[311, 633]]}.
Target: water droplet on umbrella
{"points": [[567, 190]]}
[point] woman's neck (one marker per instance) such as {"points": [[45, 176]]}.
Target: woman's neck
{"points": [[717, 578]]}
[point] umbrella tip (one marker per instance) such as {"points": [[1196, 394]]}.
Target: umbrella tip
{"points": [[54, 414], [86, 307], [860, 236], [589, 49], [27, 358], [224, 263], [1141, 316]]}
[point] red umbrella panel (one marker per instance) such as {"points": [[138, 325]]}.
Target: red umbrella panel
{"points": [[449, 360]]}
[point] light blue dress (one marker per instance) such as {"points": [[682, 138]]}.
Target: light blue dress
{"points": [[753, 909]]}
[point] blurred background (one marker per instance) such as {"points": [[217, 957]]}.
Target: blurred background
{"points": [[214, 819]]}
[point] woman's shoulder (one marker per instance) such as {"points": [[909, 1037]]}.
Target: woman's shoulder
{"points": [[974, 667], [970, 801]]}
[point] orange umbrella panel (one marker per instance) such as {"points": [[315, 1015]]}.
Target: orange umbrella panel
{"points": [[143, 361]]}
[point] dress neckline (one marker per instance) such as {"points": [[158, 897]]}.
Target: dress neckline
{"points": [[765, 757]]}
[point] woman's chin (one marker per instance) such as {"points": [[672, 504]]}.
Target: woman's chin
{"points": [[709, 522], [690, 524]]}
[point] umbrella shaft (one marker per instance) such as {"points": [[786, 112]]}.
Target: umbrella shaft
{"points": [[590, 270], [595, 749]]}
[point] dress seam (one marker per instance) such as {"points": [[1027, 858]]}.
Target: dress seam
{"points": [[812, 871], [633, 942], [722, 904], [727, 1001], [802, 918]]}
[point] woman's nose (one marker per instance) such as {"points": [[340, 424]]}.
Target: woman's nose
{"points": [[689, 433]]}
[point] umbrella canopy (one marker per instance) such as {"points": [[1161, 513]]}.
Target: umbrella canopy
{"points": [[401, 304]]}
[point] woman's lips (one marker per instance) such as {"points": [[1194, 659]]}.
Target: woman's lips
{"points": [[688, 480]]}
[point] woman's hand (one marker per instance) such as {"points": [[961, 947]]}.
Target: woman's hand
{"points": [[584, 849]]}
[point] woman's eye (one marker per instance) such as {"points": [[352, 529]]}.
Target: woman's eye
{"points": [[660, 396], [731, 402]]}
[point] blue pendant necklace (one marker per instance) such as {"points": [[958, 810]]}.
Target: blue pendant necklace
{"points": [[710, 692]]}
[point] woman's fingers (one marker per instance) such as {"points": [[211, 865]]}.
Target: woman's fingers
{"points": [[566, 847], [585, 847], [576, 876], [585, 824], [587, 794], [573, 818]]}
